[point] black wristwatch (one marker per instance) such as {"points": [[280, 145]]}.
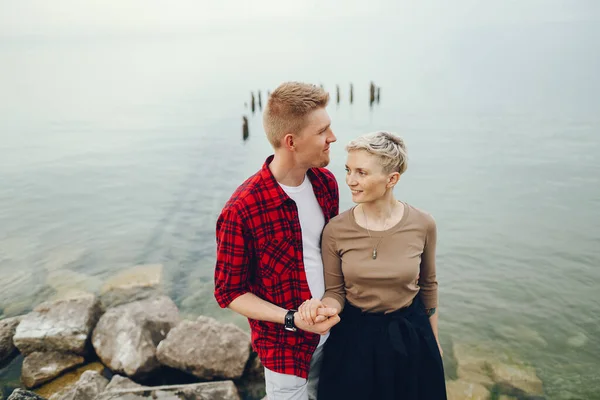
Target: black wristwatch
{"points": [[289, 321]]}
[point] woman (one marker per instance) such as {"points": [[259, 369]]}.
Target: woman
{"points": [[379, 264]]}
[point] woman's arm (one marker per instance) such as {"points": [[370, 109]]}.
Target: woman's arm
{"points": [[433, 320], [335, 291], [335, 288], [428, 278]]}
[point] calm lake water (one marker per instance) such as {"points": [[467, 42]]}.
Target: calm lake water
{"points": [[120, 149]]}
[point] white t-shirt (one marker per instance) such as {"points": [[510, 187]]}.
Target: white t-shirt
{"points": [[312, 222]]}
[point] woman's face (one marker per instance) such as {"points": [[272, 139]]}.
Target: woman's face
{"points": [[365, 176]]}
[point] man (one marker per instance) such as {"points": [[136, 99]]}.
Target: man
{"points": [[268, 241]]}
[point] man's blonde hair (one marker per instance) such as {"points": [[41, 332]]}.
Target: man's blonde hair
{"points": [[287, 108], [389, 148]]}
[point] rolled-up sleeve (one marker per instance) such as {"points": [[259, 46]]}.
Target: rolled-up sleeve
{"points": [[231, 270]]}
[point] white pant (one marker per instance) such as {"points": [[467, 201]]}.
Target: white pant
{"points": [[291, 387]]}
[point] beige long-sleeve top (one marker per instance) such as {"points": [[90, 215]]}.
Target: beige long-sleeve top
{"points": [[405, 263]]}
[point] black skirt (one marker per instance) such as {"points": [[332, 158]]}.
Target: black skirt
{"points": [[382, 356]]}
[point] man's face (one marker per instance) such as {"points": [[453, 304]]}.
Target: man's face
{"points": [[312, 143]]}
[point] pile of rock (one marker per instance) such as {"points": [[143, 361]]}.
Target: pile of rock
{"points": [[482, 370], [93, 386], [135, 334], [54, 337]]}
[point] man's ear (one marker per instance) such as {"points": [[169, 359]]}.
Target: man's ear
{"points": [[289, 142]]}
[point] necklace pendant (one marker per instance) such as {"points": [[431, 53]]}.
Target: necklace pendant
{"points": [[374, 254]]}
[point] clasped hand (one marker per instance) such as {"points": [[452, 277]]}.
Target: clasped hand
{"points": [[314, 316]]}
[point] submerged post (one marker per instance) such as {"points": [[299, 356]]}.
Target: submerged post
{"points": [[252, 106], [245, 131], [351, 93]]}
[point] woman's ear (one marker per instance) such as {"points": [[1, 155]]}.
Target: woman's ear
{"points": [[393, 179]]}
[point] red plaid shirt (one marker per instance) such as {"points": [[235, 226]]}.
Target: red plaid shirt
{"points": [[259, 251]]}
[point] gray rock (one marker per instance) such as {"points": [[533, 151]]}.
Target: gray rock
{"points": [[223, 390], [40, 367], [69, 284], [126, 336], [254, 369], [88, 387], [62, 325], [517, 376], [578, 340], [462, 390], [20, 394], [472, 363], [252, 383], [68, 379], [133, 284], [8, 328], [484, 364], [119, 382], [206, 348]]}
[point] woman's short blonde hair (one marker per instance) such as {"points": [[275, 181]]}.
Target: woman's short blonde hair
{"points": [[389, 148], [287, 108]]}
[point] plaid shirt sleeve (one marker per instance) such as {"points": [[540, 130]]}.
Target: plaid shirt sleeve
{"points": [[231, 271]]}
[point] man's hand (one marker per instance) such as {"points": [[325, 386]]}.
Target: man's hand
{"points": [[320, 328], [314, 311]]}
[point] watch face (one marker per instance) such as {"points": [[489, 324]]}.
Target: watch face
{"points": [[289, 321]]}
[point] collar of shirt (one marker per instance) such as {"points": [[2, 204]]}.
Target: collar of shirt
{"points": [[278, 195]]}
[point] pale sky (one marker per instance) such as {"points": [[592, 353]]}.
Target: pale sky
{"points": [[100, 17]]}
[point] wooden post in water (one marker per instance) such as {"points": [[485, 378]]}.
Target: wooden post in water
{"points": [[337, 92], [245, 131], [372, 94], [351, 93], [378, 92], [259, 100], [252, 106]]}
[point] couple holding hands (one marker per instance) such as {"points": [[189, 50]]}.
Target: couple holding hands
{"points": [[340, 306]]}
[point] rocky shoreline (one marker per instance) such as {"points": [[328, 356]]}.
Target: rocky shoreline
{"points": [[130, 342]]}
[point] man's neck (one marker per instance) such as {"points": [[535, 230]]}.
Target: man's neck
{"points": [[287, 172]]}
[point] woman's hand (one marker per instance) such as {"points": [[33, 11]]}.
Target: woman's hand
{"points": [[314, 311]]}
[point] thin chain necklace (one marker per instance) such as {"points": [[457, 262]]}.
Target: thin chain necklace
{"points": [[374, 254]]}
